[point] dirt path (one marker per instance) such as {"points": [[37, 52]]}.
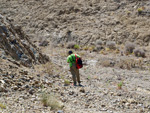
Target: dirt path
{"points": [[100, 92]]}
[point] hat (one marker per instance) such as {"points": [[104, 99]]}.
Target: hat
{"points": [[70, 52]]}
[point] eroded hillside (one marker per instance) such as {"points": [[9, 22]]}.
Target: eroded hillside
{"points": [[88, 21], [97, 30]]}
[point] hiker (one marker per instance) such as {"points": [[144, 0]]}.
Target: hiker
{"points": [[71, 59]]}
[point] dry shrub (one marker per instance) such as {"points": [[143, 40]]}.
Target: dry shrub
{"points": [[51, 100], [66, 82], [44, 43], [2, 106], [85, 48], [99, 42], [139, 52], [129, 63], [99, 48], [107, 62], [111, 44], [49, 68], [117, 51], [81, 53], [103, 52], [70, 45], [129, 47], [91, 48]]}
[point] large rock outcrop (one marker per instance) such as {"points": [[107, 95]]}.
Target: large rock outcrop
{"points": [[17, 44]]}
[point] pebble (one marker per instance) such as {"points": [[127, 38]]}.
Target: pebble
{"points": [[82, 90], [131, 101], [60, 111], [31, 91], [71, 92], [15, 87], [127, 104]]}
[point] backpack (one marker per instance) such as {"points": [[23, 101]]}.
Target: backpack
{"points": [[78, 62]]}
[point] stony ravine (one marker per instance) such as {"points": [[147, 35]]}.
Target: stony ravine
{"points": [[99, 93], [100, 86], [53, 24]]}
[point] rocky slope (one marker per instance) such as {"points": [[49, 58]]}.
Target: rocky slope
{"points": [[22, 89], [88, 21], [23, 86], [14, 42]]}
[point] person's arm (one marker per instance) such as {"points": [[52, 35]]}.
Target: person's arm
{"points": [[68, 61]]}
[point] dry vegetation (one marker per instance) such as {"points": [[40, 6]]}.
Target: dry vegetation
{"points": [[124, 63], [2, 106], [51, 100]]}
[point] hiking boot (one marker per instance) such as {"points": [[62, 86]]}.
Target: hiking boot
{"points": [[80, 84], [75, 84]]}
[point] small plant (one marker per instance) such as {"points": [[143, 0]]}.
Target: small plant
{"points": [[139, 52], [111, 44], [50, 100], [89, 77], [85, 48], [102, 52], [63, 54], [108, 82], [107, 63], [82, 53], [99, 42], [128, 12], [91, 48], [140, 10], [117, 51], [71, 45], [49, 67], [107, 49], [120, 85], [62, 76], [2, 106], [99, 47], [76, 46], [66, 82], [129, 47]]}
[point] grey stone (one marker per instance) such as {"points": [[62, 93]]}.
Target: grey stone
{"points": [[31, 91], [60, 111]]}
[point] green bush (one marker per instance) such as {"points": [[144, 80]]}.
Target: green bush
{"points": [[140, 10], [2, 106], [76, 46]]}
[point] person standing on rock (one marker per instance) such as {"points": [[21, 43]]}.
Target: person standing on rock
{"points": [[71, 59]]}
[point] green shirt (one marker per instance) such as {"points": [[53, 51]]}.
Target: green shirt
{"points": [[72, 59]]}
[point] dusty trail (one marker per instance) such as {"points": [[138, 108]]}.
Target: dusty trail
{"points": [[99, 94], [100, 85]]}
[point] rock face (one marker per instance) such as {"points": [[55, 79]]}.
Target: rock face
{"points": [[16, 44]]}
